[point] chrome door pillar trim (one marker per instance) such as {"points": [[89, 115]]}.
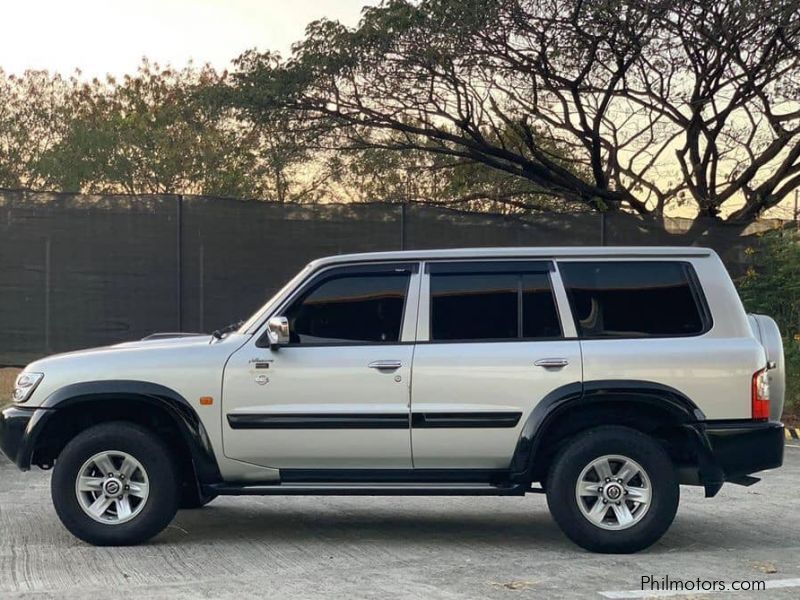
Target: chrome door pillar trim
{"points": [[424, 316], [408, 330], [562, 303]]}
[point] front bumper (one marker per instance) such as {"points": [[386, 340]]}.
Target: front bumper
{"points": [[17, 425]]}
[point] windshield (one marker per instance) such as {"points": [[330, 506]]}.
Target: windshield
{"points": [[264, 310]]}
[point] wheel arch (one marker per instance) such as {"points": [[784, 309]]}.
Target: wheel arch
{"points": [[646, 406], [73, 408]]}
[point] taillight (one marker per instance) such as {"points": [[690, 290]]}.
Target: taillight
{"points": [[760, 395]]}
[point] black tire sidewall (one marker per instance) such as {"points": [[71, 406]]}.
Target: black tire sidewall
{"points": [[149, 450], [585, 448]]}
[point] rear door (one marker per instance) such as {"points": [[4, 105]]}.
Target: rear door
{"points": [[492, 342]]}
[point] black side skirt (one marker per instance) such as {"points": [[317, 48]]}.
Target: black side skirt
{"points": [[380, 482]]}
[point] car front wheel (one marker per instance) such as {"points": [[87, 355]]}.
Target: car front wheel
{"points": [[114, 484], [613, 489]]}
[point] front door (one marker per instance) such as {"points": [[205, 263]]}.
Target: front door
{"points": [[337, 395], [492, 345]]}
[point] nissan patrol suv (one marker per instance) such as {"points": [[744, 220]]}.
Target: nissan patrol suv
{"points": [[604, 378]]}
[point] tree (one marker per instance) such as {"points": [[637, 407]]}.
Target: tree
{"points": [[34, 115], [420, 176], [161, 131], [654, 101], [725, 75], [147, 134]]}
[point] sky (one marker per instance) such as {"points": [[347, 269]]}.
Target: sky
{"points": [[102, 37], [112, 36]]}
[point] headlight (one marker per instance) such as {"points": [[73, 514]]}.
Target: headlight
{"points": [[24, 386]]}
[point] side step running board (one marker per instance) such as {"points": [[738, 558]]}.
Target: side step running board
{"points": [[366, 489]]}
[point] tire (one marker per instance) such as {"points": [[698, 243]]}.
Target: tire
{"points": [[192, 498], [143, 476], [623, 524]]}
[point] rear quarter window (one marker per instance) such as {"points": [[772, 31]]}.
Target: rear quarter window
{"points": [[624, 299]]}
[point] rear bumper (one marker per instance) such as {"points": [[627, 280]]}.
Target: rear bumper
{"points": [[740, 448], [731, 451], [16, 439]]}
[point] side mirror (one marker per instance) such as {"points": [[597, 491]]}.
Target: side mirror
{"points": [[278, 331]]}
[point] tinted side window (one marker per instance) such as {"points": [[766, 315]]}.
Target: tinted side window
{"points": [[474, 307], [539, 314], [350, 309], [492, 306], [632, 298]]}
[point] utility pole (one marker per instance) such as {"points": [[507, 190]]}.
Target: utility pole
{"points": [[796, 211]]}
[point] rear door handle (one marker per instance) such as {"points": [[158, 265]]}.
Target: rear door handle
{"points": [[388, 365], [552, 363]]}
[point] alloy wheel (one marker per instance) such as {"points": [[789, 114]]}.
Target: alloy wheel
{"points": [[613, 492], [112, 487]]}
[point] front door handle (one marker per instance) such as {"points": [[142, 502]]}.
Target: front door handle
{"points": [[388, 365], [552, 363]]}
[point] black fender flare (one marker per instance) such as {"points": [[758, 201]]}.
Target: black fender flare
{"points": [[183, 415], [681, 408]]}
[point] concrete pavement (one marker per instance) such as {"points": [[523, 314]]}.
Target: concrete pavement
{"points": [[413, 547]]}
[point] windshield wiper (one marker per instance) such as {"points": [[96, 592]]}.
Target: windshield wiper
{"points": [[220, 333]]}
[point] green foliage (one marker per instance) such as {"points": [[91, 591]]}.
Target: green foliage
{"points": [[167, 130], [34, 114], [772, 286], [151, 133], [159, 130]]}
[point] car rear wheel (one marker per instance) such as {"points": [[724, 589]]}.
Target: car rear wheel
{"points": [[114, 485], [613, 489]]}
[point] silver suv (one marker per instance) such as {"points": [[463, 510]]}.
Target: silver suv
{"points": [[601, 377]]}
